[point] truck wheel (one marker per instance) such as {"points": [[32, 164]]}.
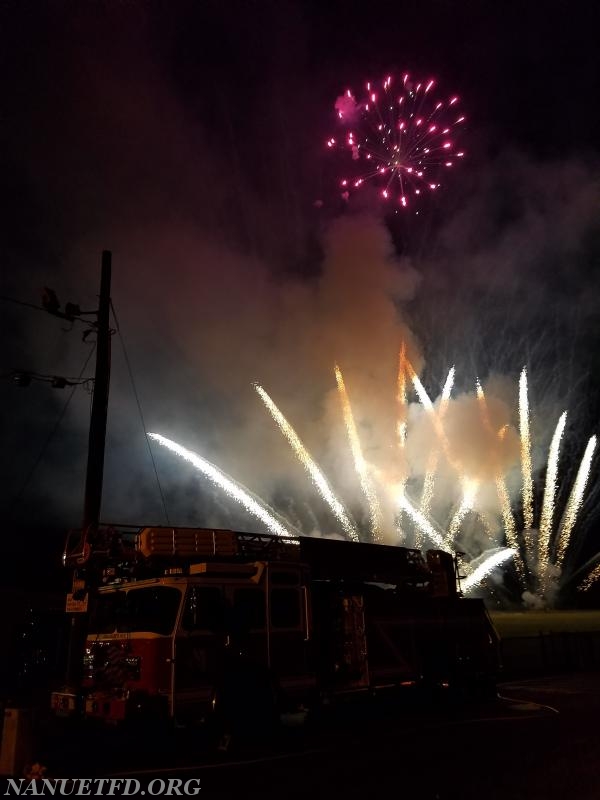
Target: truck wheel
{"points": [[243, 712]]}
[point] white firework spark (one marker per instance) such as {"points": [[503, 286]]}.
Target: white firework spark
{"points": [[574, 502], [488, 566], [447, 391], [549, 499], [236, 491], [420, 520], [526, 465], [309, 465]]}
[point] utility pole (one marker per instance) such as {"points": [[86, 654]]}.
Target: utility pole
{"points": [[94, 474], [97, 435]]}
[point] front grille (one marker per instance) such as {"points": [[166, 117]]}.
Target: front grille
{"points": [[110, 664]]}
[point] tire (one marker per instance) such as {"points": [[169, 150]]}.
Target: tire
{"points": [[245, 709]]}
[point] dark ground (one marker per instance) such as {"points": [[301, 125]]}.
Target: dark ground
{"points": [[539, 740]]}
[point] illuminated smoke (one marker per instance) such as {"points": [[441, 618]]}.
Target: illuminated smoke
{"points": [[434, 456], [503, 495], [432, 465], [429, 482], [253, 505], [309, 465], [435, 418], [359, 462]]}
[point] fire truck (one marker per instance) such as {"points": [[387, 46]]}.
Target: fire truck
{"points": [[190, 625]]}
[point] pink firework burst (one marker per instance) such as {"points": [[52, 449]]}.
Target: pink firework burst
{"points": [[401, 137]]}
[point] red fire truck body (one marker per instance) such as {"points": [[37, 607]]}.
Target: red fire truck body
{"points": [[191, 620]]}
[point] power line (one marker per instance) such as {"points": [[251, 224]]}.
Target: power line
{"points": [[16, 302], [139, 406], [50, 436], [24, 377], [69, 317]]}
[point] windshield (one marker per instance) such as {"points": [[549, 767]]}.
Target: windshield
{"points": [[151, 609]]}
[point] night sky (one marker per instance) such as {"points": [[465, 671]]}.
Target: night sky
{"points": [[188, 138]]}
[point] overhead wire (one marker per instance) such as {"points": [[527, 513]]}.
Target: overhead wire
{"points": [[16, 500], [140, 412]]}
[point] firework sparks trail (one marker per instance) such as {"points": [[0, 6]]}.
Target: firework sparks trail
{"points": [[250, 502], [400, 137], [488, 566], [470, 488], [402, 398], [359, 461], [574, 501], [447, 391], [487, 525], [526, 465], [402, 425], [428, 484], [548, 501], [434, 456], [421, 521], [424, 398], [503, 495], [437, 419], [309, 465], [591, 579]]}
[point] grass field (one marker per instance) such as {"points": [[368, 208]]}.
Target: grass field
{"points": [[513, 624]]}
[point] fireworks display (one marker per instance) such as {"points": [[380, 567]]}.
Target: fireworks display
{"points": [[452, 469], [538, 555], [401, 136]]}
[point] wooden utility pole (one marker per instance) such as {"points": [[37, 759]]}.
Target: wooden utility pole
{"points": [[94, 475], [97, 435]]}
